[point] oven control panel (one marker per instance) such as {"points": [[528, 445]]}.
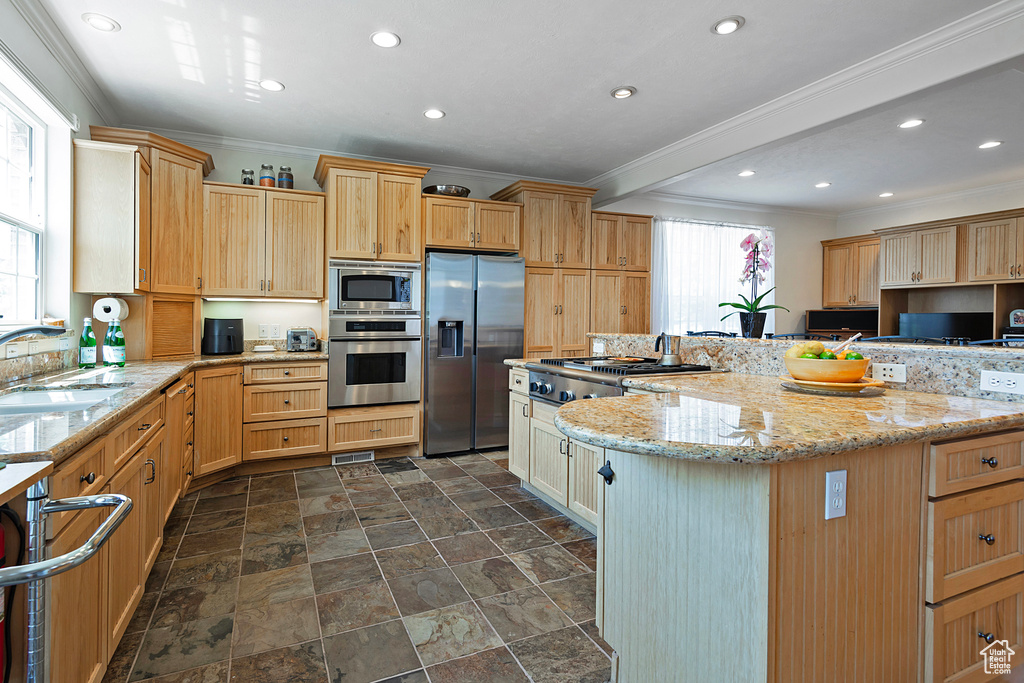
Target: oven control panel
{"points": [[557, 389]]}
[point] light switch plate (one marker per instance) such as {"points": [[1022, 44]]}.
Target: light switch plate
{"points": [[264, 331], [13, 350], [835, 494]]}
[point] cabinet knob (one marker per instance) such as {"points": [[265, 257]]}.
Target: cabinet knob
{"points": [[88, 478], [987, 637], [189, 473], [286, 373], [189, 443], [1018, 269], [286, 438], [189, 413], [286, 401], [991, 462], [988, 538]]}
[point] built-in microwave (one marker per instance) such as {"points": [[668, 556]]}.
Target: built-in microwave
{"points": [[373, 286]]}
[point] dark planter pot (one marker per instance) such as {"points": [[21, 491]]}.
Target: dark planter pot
{"points": [[752, 324]]}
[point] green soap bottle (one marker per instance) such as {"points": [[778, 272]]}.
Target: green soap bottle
{"points": [[87, 346], [113, 345]]}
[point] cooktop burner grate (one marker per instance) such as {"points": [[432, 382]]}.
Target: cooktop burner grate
{"points": [[608, 365]]}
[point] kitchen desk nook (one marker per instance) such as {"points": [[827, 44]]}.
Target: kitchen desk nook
{"points": [[715, 557]]}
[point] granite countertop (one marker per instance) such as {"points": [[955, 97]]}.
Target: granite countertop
{"points": [[57, 436], [751, 419], [520, 362]]}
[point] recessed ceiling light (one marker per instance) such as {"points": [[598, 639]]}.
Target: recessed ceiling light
{"points": [[271, 85], [823, 184], [385, 39], [745, 174], [885, 194], [724, 27], [623, 91], [434, 114], [101, 23], [990, 144], [911, 123]]}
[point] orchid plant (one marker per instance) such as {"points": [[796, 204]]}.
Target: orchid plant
{"points": [[759, 249]]}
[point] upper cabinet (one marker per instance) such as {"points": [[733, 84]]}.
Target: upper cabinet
{"points": [[461, 223], [995, 250], [262, 242], [926, 256], [556, 223], [850, 272], [620, 241], [141, 194], [373, 209]]}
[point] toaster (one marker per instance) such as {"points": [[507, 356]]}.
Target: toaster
{"points": [[302, 339]]}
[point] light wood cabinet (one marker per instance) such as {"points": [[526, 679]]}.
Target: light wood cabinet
{"points": [[179, 402], [262, 242], [556, 223], [574, 231], [177, 210], [995, 250], [620, 241], [519, 435], [284, 438], [218, 419], [549, 470], [557, 312], [354, 429], [541, 215], [373, 209], [284, 401], [850, 272], [541, 309], [964, 464], [84, 474], [78, 600], [155, 471], [274, 373], [128, 436], [123, 554], [620, 303], [573, 312], [586, 486], [919, 257], [460, 223]]}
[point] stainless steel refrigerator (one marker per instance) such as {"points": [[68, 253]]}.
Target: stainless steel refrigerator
{"points": [[474, 322]]}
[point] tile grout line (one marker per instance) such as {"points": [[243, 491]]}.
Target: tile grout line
{"points": [[316, 605]]}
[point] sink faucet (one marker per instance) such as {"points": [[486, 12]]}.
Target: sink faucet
{"points": [[48, 330]]}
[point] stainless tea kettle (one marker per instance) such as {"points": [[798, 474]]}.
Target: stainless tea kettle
{"points": [[669, 344]]}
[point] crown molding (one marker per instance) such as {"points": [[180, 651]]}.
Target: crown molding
{"points": [[732, 205], [1011, 186], [994, 33], [43, 25]]}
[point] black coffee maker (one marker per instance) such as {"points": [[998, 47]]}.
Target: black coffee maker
{"points": [[222, 336]]}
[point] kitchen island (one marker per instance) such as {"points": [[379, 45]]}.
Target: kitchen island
{"points": [[716, 562]]}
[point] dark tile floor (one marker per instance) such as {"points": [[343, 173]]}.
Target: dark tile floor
{"points": [[402, 571]]}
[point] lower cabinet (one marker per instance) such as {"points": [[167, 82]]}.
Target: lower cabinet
{"points": [[549, 471], [155, 471], [218, 419], [353, 429], [123, 555], [586, 486], [519, 435], [179, 407], [284, 438]]}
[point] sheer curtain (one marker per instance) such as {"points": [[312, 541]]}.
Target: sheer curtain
{"points": [[696, 265]]}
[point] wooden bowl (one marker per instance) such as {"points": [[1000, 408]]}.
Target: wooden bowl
{"points": [[818, 370]]}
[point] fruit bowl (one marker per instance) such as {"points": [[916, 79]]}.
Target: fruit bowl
{"points": [[822, 370]]}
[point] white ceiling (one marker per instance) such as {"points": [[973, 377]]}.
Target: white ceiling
{"points": [[525, 84]]}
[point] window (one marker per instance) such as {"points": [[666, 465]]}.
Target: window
{"points": [[22, 198], [697, 265]]}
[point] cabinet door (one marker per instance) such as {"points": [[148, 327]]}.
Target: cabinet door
{"points": [[218, 419], [541, 307], [937, 256], [549, 471], [605, 231], [449, 222], [586, 486], [636, 243], [234, 241], [155, 471], [174, 446], [992, 250], [143, 222], [78, 643], [837, 275], [636, 303], [605, 303], [519, 435], [497, 226], [295, 245], [123, 553], [573, 319], [865, 289], [574, 232], [354, 429], [177, 199], [351, 214], [399, 232], [899, 259], [540, 229]]}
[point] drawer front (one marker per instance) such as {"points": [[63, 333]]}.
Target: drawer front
{"points": [[369, 428], [952, 644], [272, 373], [84, 475], [519, 381], [284, 401], [973, 539], [284, 438], [971, 463], [135, 431], [545, 412], [190, 411]]}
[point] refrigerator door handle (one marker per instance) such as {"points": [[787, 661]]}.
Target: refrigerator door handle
{"points": [[476, 325]]}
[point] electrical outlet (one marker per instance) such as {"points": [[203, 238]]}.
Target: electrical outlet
{"points": [[33, 348], [264, 331], [63, 344], [13, 350], [275, 331], [889, 372], [1003, 382], [835, 494]]}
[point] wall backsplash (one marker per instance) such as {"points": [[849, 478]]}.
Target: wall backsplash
{"points": [[286, 314], [37, 364]]}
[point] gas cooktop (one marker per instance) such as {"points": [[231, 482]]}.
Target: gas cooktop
{"points": [[622, 365]]}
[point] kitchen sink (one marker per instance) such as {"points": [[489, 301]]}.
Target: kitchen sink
{"points": [[56, 399]]}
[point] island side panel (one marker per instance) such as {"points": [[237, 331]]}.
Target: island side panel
{"points": [[847, 595], [685, 554]]}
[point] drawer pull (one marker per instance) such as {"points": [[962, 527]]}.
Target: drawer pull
{"points": [[189, 413], [191, 386], [286, 373], [987, 637], [375, 430], [286, 401], [988, 538], [189, 443], [286, 438], [519, 380], [991, 462], [152, 478], [88, 478], [189, 473], [145, 426], [182, 390]]}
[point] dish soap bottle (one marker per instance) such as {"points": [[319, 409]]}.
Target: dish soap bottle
{"points": [[87, 346], [113, 345]]}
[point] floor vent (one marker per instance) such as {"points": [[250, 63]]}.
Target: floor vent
{"points": [[346, 458]]}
